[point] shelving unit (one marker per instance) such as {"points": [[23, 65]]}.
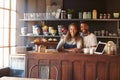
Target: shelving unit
{"points": [[57, 36], [117, 22], [113, 37], [70, 19]]}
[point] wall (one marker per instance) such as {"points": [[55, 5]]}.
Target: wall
{"points": [[85, 5], [113, 6], [20, 10], [24, 6]]}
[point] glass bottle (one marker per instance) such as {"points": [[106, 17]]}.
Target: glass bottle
{"points": [[84, 15], [63, 14], [89, 15], [94, 14]]}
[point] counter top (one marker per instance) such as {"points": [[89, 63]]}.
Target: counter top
{"points": [[18, 78], [69, 53]]}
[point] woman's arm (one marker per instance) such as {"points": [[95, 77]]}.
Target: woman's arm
{"points": [[60, 45], [80, 44]]}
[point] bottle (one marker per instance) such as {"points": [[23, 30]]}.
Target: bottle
{"points": [[110, 51], [63, 14], [36, 29], [84, 15], [80, 15], [94, 14], [89, 15]]}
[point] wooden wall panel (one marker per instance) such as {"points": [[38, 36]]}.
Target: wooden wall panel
{"points": [[78, 70], [114, 71], [76, 66], [66, 70], [55, 64], [31, 64], [102, 71], [90, 71]]}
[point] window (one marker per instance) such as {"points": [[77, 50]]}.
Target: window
{"points": [[7, 30]]}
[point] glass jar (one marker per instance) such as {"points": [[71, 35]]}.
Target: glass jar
{"points": [[101, 16], [105, 16], [59, 29], [108, 16]]}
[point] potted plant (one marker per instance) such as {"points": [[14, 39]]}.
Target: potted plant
{"points": [[69, 13]]}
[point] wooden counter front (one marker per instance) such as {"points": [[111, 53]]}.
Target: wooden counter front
{"points": [[76, 66]]}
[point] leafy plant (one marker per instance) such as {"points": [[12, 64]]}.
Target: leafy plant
{"points": [[70, 11]]}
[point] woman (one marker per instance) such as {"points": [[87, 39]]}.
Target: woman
{"points": [[72, 40]]}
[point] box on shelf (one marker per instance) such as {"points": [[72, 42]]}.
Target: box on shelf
{"points": [[22, 49]]}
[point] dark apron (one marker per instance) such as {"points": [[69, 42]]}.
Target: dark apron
{"points": [[68, 46]]}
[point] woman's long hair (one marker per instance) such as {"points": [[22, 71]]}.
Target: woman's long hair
{"points": [[77, 35]]}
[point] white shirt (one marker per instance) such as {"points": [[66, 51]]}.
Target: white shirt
{"points": [[90, 40]]}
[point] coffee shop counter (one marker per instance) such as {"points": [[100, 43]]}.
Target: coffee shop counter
{"points": [[75, 66]]}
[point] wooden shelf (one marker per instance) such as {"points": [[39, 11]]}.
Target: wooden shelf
{"points": [[108, 37], [70, 19], [47, 43], [116, 20], [41, 36]]}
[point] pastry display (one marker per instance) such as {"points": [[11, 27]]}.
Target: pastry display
{"points": [[44, 40], [50, 39], [37, 40], [54, 39]]}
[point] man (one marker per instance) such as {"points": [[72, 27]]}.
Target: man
{"points": [[89, 39]]}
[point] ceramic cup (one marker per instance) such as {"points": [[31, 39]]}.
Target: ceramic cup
{"points": [[23, 30], [92, 50], [86, 50]]}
